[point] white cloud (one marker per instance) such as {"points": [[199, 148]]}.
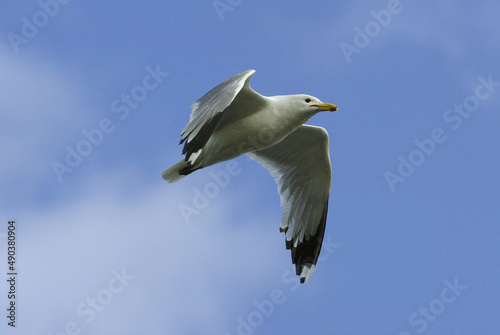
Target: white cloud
{"points": [[457, 32], [40, 108], [67, 253]]}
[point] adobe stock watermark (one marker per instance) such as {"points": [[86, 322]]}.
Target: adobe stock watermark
{"points": [[420, 320], [222, 6], [121, 108], [31, 25], [88, 309], [363, 37], [221, 179], [201, 197], [453, 117], [262, 310]]}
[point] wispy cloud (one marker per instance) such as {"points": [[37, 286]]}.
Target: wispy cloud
{"points": [[179, 268], [39, 106]]}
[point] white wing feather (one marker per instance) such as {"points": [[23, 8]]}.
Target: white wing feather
{"points": [[300, 164], [214, 102]]}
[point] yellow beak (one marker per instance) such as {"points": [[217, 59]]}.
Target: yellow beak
{"points": [[326, 107]]}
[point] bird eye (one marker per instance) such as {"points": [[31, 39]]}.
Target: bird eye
{"points": [[308, 100]]}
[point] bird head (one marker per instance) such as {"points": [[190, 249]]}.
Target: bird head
{"points": [[313, 105]]}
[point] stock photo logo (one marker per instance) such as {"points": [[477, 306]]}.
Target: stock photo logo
{"points": [[221, 179], [31, 25], [363, 37], [201, 197], [452, 117], [121, 107], [98, 302], [222, 6], [430, 313], [262, 310]]}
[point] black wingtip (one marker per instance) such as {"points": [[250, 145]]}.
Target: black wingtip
{"points": [[201, 138], [307, 252], [188, 170]]}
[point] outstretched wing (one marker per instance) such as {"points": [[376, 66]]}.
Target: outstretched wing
{"points": [[300, 164], [207, 112]]}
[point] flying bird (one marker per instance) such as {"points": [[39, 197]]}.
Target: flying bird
{"points": [[232, 119]]}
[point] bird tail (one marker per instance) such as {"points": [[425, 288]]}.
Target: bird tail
{"points": [[178, 171]]}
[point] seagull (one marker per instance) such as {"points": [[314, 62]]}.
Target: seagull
{"points": [[232, 119]]}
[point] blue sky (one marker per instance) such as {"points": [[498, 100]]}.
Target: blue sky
{"points": [[412, 232]]}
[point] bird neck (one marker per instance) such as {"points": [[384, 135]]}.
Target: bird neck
{"points": [[284, 107]]}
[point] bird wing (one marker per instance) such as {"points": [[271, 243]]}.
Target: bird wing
{"points": [[206, 113], [300, 164]]}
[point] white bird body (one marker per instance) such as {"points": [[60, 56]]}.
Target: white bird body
{"points": [[232, 119], [236, 136]]}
